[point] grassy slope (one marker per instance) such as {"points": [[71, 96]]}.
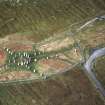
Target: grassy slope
{"points": [[71, 88], [44, 18], [100, 69], [91, 38]]}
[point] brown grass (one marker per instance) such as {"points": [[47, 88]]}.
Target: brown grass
{"points": [[52, 66], [15, 75], [54, 43], [2, 57]]}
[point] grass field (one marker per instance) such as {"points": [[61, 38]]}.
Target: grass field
{"points": [[91, 37], [36, 20], [29, 57], [44, 18], [99, 69], [72, 88]]}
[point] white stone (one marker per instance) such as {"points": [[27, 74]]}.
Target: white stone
{"points": [[35, 60], [35, 53], [56, 55], [27, 62], [21, 63], [24, 53], [7, 49], [47, 58], [14, 61], [41, 74], [19, 53], [34, 70], [9, 52], [39, 52]]}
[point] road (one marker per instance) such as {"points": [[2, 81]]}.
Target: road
{"points": [[88, 67], [100, 18]]}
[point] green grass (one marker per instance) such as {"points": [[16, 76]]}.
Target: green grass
{"points": [[17, 57], [43, 17], [99, 69], [68, 88]]}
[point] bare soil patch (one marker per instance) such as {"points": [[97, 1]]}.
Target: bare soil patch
{"points": [[20, 47], [17, 46], [52, 66], [74, 54], [15, 75], [26, 36], [56, 44], [92, 38], [2, 57]]}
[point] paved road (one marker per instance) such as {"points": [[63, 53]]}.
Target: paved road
{"points": [[88, 67]]}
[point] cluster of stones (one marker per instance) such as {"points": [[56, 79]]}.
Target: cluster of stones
{"points": [[25, 60], [22, 59]]}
